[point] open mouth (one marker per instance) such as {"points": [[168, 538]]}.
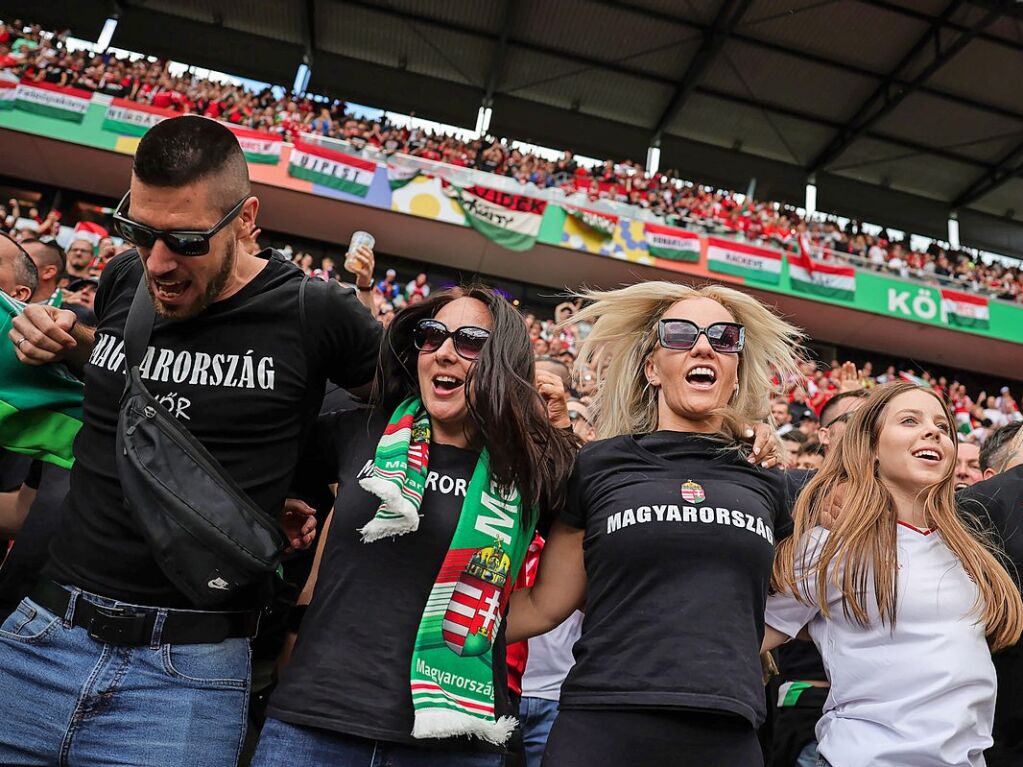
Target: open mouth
{"points": [[447, 384], [927, 454], [701, 377], [169, 291]]}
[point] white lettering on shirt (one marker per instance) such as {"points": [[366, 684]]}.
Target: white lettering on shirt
{"points": [[707, 515]]}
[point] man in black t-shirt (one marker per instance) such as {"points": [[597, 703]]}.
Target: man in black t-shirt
{"points": [[116, 662]]}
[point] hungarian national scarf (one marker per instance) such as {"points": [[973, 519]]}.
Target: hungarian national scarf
{"points": [[452, 676], [40, 405]]}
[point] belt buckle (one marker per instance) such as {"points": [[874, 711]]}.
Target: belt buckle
{"points": [[117, 625]]}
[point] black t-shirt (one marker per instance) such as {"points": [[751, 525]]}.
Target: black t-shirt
{"points": [[679, 547], [246, 377], [350, 669]]}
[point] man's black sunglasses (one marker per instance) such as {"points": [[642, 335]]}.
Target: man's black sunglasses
{"points": [[682, 335], [430, 335], [184, 242]]}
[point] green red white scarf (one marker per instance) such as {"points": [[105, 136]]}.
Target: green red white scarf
{"points": [[452, 677]]}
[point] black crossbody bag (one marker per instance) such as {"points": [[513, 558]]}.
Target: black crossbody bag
{"points": [[204, 531]]}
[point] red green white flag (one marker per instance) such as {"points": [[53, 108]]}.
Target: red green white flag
{"points": [[740, 259], [52, 101], [258, 146], [129, 118], [332, 169], [965, 310], [602, 224], [510, 220], [8, 90], [670, 243], [820, 278]]}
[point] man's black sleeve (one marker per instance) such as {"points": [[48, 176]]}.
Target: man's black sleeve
{"points": [[346, 336], [998, 503]]}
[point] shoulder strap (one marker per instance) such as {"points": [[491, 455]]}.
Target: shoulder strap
{"points": [[139, 326]]}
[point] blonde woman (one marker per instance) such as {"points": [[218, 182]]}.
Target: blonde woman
{"points": [[901, 598], [668, 533]]}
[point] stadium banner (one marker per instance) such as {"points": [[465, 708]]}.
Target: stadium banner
{"points": [[740, 259], [820, 278], [399, 176], [69, 104], [602, 225], [425, 197], [670, 243], [259, 147], [510, 220], [129, 118], [965, 310], [8, 90], [331, 169]]}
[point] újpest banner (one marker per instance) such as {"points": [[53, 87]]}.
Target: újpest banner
{"points": [[259, 146], [743, 260], [329, 168], [672, 244], [48, 100], [129, 118], [965, 310], [510, 220]]}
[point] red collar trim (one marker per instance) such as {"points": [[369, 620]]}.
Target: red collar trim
{"points": [[915, 529]]}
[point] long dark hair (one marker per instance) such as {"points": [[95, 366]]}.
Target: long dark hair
{"points": [[509, 416]]}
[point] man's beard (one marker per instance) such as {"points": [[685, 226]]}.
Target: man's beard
{"points": [[212, 292]]}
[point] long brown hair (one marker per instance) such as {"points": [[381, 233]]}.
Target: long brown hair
{"points": [[860, 555]]}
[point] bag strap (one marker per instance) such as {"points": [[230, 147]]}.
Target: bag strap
{"points": [[138, 328]]}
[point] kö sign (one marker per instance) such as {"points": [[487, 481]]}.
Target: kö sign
{"points": [[921, 306]]}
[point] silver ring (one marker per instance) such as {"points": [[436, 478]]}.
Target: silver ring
{"points": [[20, 342]]}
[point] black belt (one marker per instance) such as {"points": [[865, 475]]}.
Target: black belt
{"points": [[135, 625]]}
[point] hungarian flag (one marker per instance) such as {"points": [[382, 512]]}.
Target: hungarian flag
{"points": [[40, 405], [87, 230], [602, 224], [129, 118], [917, 380], [819, 278], [399, 176], [8, 90], [329, 168], [52, 101], [742, 260], [672, 244], [259, 146], [510, 220], [965, 310]]}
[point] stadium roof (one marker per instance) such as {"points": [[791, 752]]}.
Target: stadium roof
{"points": [[903, 111]]}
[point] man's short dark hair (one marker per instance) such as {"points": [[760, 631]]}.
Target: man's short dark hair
{"points": [[564, 371], [25, 272], [54, 255], [811, 448], [183, 150], [995, 451], [854, 394], [794, 436]]}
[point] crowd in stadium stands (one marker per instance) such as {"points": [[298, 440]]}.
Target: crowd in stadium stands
{"points": [[38, 55]]}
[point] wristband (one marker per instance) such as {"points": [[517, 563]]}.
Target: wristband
{"points": [[364, 289]]}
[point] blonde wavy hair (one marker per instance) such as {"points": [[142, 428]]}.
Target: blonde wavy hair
{"points": [[624, 333], [859, 556]]}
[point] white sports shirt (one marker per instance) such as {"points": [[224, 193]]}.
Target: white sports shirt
{"points": [[921, 694]]}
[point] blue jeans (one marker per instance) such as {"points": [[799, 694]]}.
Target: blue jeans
{"points": [[536, 717], [69, 701], [283, 743]]}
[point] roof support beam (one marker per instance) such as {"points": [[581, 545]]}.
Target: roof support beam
{"points": [[500, 52], [309, 28], [883, 100], [1008, 166], [714, 39]]}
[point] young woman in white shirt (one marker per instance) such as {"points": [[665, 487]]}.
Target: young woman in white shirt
{"points": [[904, 601]]}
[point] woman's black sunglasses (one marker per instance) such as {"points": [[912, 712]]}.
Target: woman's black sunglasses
{"points": [[430, 335], [682, 335], [184, 242]]}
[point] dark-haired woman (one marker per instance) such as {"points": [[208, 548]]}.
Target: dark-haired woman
{"points": [[400, 656]]}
